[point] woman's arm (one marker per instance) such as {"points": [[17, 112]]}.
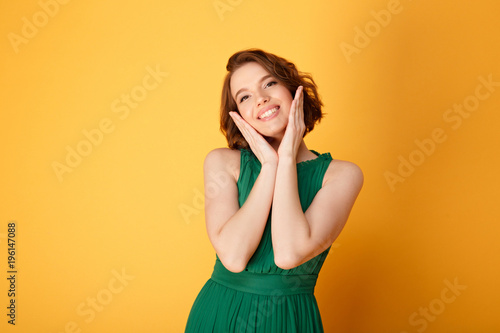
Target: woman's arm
{"points": [[297, 236], [235, 232]]}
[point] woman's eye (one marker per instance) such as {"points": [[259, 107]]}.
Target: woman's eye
{"points": [[242, 99]]}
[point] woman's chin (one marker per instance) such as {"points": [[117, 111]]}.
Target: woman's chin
{"points": [[273, 136], [270, 135]]}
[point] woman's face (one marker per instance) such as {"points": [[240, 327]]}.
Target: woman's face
{"points": [[255, 92]]}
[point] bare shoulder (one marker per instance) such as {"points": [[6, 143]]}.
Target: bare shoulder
{"points": [[223, 160], [344, 171]]}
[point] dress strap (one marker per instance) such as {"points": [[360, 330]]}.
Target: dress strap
{"points": [[245, 155]]}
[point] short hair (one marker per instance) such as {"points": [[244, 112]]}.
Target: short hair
{"points": [[284, 71]]}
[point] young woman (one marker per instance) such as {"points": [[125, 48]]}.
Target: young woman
{"points": [[277, 206]]}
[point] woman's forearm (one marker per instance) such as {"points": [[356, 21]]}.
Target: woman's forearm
{"points": [[242, 233], [289, 226]]}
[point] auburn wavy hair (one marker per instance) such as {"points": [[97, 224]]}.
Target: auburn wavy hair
{"points": [[285, 72]]}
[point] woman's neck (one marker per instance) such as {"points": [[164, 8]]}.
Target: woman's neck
{"points": [[302, 154]]}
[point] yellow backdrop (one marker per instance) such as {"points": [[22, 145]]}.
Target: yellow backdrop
{"points": [[109, 108]]}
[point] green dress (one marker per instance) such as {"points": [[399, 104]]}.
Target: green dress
{"points": [[264, 298]]}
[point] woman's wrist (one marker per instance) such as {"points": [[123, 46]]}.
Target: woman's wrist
{"points": [[272, 165], [287, 159]]}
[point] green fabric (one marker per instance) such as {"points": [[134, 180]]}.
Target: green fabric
{"points": [[264, 298]]}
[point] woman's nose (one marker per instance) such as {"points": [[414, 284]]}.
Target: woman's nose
{"points": [[262, 98]]}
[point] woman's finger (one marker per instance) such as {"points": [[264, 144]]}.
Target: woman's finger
{"points": [[299, 112], [242, 125], [246, 130], [261, 148], [301, 106]]}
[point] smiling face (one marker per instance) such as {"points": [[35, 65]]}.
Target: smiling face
{"points": [[262, 100]]}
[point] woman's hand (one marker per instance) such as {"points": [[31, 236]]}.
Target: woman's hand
{"points": [[294, 132], [260, 147]]}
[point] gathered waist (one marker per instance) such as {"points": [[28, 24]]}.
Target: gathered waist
{"points": [[264, 284]]}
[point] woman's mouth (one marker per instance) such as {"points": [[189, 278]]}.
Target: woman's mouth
{"points": [[270, 114]]}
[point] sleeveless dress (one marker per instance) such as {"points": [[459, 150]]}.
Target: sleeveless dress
{"points": [[264, 298]]}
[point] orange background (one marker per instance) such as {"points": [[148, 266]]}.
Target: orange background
{"points": [[117, 242]]}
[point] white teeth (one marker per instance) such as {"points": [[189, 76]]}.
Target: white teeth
{"points": [[268, 113]]}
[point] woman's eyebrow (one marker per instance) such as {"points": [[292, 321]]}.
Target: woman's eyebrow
{"points": [[261, 79]]}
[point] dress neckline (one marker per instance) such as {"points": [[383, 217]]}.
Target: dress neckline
{"points": [[299, 164]]}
